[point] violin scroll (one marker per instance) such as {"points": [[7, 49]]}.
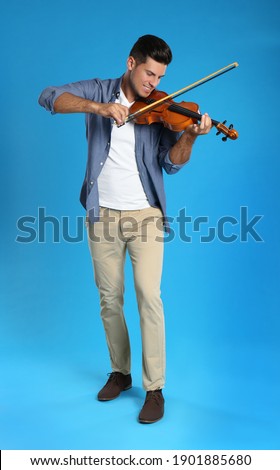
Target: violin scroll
{"points": [[229, 132]]}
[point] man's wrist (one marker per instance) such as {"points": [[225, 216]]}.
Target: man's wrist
{"points": [[189, 137], [94, 107]]}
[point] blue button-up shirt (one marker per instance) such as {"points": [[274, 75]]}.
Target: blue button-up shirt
{"points": [[152, 144]]}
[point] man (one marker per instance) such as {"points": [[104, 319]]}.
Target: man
{"points": [[124, 197]]}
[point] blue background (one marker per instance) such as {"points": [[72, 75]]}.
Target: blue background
{"points": [[221, 299]]}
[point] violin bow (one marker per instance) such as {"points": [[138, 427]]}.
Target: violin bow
{"points": [[153, 105]]}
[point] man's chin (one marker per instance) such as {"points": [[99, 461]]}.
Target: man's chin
{"points": [[145, 94]]}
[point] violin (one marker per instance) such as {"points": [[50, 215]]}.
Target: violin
{"points": [[159, 107], [175, 116]]}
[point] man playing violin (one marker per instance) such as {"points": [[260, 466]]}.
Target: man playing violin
{"points": [[124, 197]]}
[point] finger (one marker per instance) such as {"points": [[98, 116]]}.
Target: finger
{"points": [[122, 113], [118, 116], [202, 122], [126, 110], [207, 119], [206, 123]]}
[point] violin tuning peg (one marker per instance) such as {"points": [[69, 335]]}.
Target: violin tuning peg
{"points": [[224, 139], [224, 121], [218, 133], [231, 126]]}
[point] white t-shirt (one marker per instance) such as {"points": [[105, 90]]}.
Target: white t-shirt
{"points": [[119, 183]]}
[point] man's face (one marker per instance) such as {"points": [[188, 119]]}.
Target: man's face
{"points": [[144, 78]]}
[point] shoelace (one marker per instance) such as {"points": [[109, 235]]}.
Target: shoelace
{"points": [[154, 395], [112, 376]]}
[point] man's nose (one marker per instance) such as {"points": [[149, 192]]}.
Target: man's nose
{"points": [[154, 81]]}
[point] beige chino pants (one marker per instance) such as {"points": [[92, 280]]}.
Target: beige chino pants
{"points": [[140, 233]]}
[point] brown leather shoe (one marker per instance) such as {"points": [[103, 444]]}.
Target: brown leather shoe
{"points": [[153, 408], [116, 384]]}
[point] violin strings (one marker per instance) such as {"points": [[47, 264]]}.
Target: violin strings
{"points": [[188, 112]]}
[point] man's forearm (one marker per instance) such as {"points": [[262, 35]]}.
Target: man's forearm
{"points": [[181, 151], [68, 103]]}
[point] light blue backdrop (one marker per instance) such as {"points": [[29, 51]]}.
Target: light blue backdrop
{"points": [[221, 299]]}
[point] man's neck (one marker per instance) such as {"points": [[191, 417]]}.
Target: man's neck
{"points": [[127, 90]]}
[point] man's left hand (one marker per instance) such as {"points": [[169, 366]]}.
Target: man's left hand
{"points": [[202, 128]]}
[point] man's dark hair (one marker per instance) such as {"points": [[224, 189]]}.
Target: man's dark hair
{"points": [[151, 46]]}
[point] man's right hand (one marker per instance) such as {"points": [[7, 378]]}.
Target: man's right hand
{"points": [[112, 110]]}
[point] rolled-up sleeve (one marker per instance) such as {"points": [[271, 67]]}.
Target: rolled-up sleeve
{"points": [[83, 89], [169, 166]]}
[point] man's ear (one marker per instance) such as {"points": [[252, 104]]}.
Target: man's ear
{"points": [[131, 63]]}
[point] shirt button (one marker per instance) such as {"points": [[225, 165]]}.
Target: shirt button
{"points": [[91, 182], [101, 163]]}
